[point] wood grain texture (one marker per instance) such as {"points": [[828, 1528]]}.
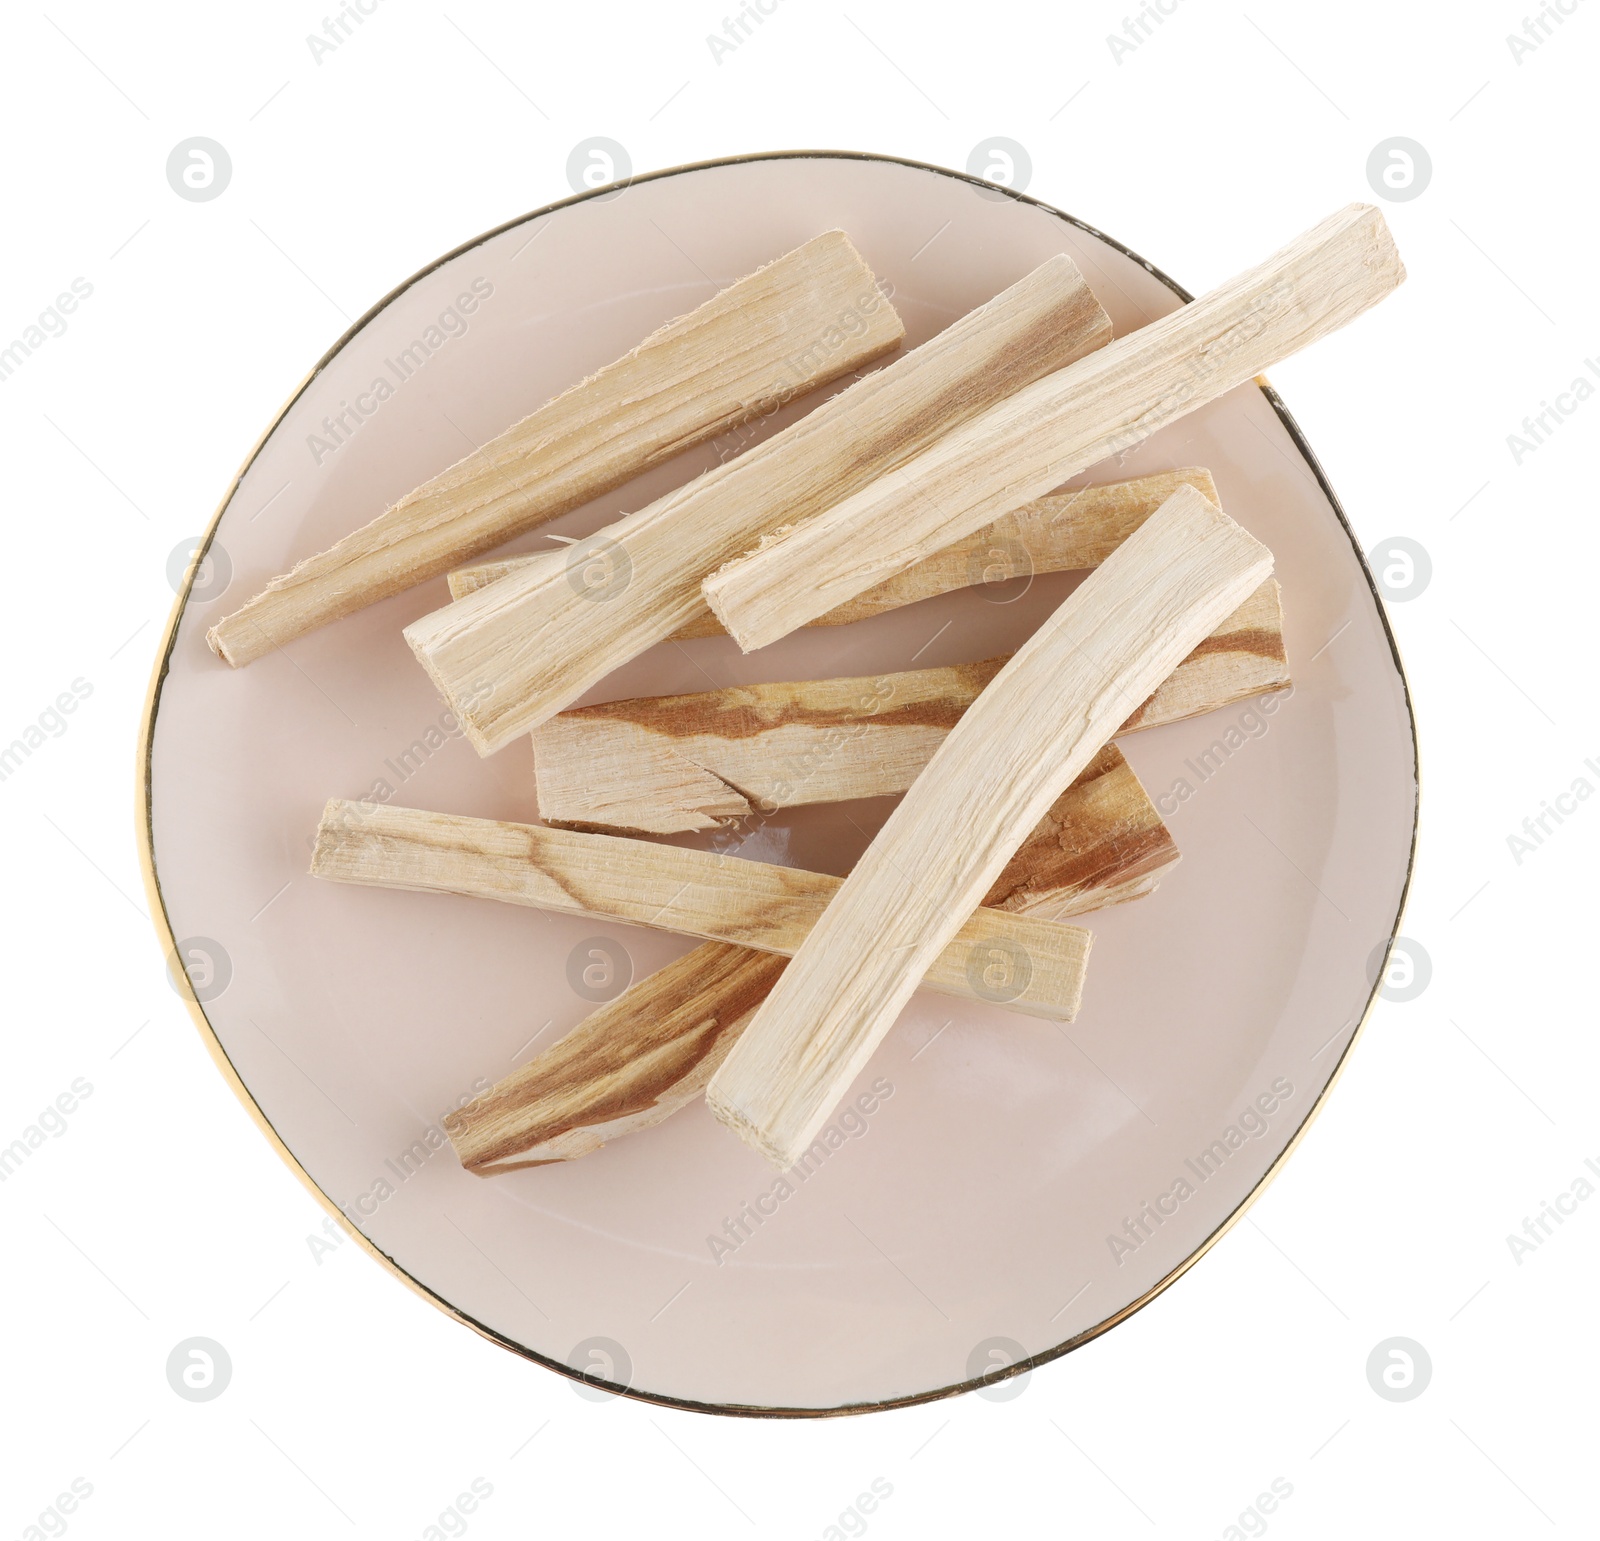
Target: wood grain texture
{"points": [[1060, 532], [625, 1067], [541, 636], [1034, 728], [1100, 843], [641, 1057], [696, 893], [786, 329], [669, 764], [1105, 404]]}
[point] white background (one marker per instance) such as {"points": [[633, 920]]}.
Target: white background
{"points": [[355, 1408]]}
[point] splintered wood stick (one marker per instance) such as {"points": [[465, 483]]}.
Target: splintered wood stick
{"points": [[1027, 736], [542, 635], [665, 764], [1106, 404], [1057, 533], [1100, 843], [793, 325], [696, 893], [641, 1057], [632, 1063]]}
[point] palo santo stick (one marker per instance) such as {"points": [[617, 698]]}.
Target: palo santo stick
{"points": [[1105, 404], [1100, 843], [665, 764], [641, 1057], [697, 893], [1032, 730], [543, 635], [1058, 533], [632, 1063], [793, 325]]}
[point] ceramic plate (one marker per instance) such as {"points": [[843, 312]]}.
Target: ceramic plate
{"points": [[1017, 1187]]}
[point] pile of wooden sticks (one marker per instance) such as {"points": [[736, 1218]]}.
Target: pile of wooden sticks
{"points": [[931, 473]]}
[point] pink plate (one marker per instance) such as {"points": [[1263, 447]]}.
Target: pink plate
{"points": [[1015, 1187]]}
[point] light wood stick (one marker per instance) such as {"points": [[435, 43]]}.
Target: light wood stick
{"points": [[696, 893], [1057, 533], [641, 1057], [1100, 843], [625, 1067], [1106, 404], [795, 324], [541, 636], [665, 764], [1032, 730]]}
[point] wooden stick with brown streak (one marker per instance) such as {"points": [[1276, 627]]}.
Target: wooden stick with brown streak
{"points": [[641, 1057], [799, 322], [1036, 725], [695, 893], [543, 635], [1103, 405], [1058, 533], [666, 764]]}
